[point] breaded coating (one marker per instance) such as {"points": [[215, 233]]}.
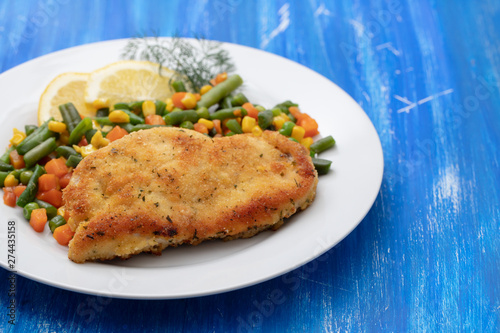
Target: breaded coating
{"points": [[169, 186]]}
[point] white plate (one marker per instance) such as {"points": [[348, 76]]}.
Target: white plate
{"points": [[344, 196]]}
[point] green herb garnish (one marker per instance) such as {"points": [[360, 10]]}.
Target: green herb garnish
{"points": [[196, 61]]}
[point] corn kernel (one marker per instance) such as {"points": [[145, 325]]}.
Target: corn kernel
{"points": [[57, 126], [278, 122], [18, 137], [247, 124], [148, 108], [61, 211], [98, 141], [10, 180], [298, 133], [189, 101], [170, 104], [87, 150], [205, 89], [285, 117], [100, 103], [119, 117], [208, 123], [257, 131], [306, 142]]}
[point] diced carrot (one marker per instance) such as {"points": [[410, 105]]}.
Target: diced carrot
{"points": [[309, 124], [177, 99], [83, 142], [53, 197], [252, 111], [217, 126], [199, 127], [116, 133], [64, 180], [295, 112], [154, 119], [18, 190], [9, 198], [16, 160], [48, 182], [63, 234], [38, 219], [57, 167]]}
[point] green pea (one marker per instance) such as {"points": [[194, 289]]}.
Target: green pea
{"points": [[25, 176], [28, 209]]}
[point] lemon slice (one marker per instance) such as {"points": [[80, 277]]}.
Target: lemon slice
{"points": [[67, 87], [128, 81]]}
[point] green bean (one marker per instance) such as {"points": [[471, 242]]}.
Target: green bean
{"points": [[5, 166], [49, 209], [321, 165], [104, 112], [90, 134], [3, 175], [121, 106], [40, 151], [38, 136], [230, 133], [25, 177], [104, 121], [225, 103], [70, 115], [220, 91], [178, 117], [56, 222], [127, 126], [187, 124], [322, 144], [178, 86], [234, 126], [260, 108], [160, 107], [65, 151], [203, 113], [176, 109], [79, 131], [287, 128], [294, 140], [144, 127], [135, 106], [134, 119], [229, 113], [239, 99], [28, 208], [29, 192], [28, 129], [73, 161], [285, 105], [5, 157], [265, 119]]}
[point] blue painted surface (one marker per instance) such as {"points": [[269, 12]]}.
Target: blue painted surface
{"points": [[426, 257]]}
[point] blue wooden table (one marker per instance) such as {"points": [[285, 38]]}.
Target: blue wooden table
{"points": [[426, 257]]}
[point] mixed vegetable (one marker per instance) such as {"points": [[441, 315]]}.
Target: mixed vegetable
{"points": [[39, 162]]}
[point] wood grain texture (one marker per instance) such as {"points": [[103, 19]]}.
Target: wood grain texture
{"points": [[426, 257]]}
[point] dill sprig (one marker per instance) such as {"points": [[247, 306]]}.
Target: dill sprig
{"points": [[195, 62]]}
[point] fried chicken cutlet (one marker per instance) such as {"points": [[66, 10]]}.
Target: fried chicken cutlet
{"points": [[169, 186]]}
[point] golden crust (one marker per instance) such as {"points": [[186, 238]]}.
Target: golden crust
{"points": [[168, 186]]}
